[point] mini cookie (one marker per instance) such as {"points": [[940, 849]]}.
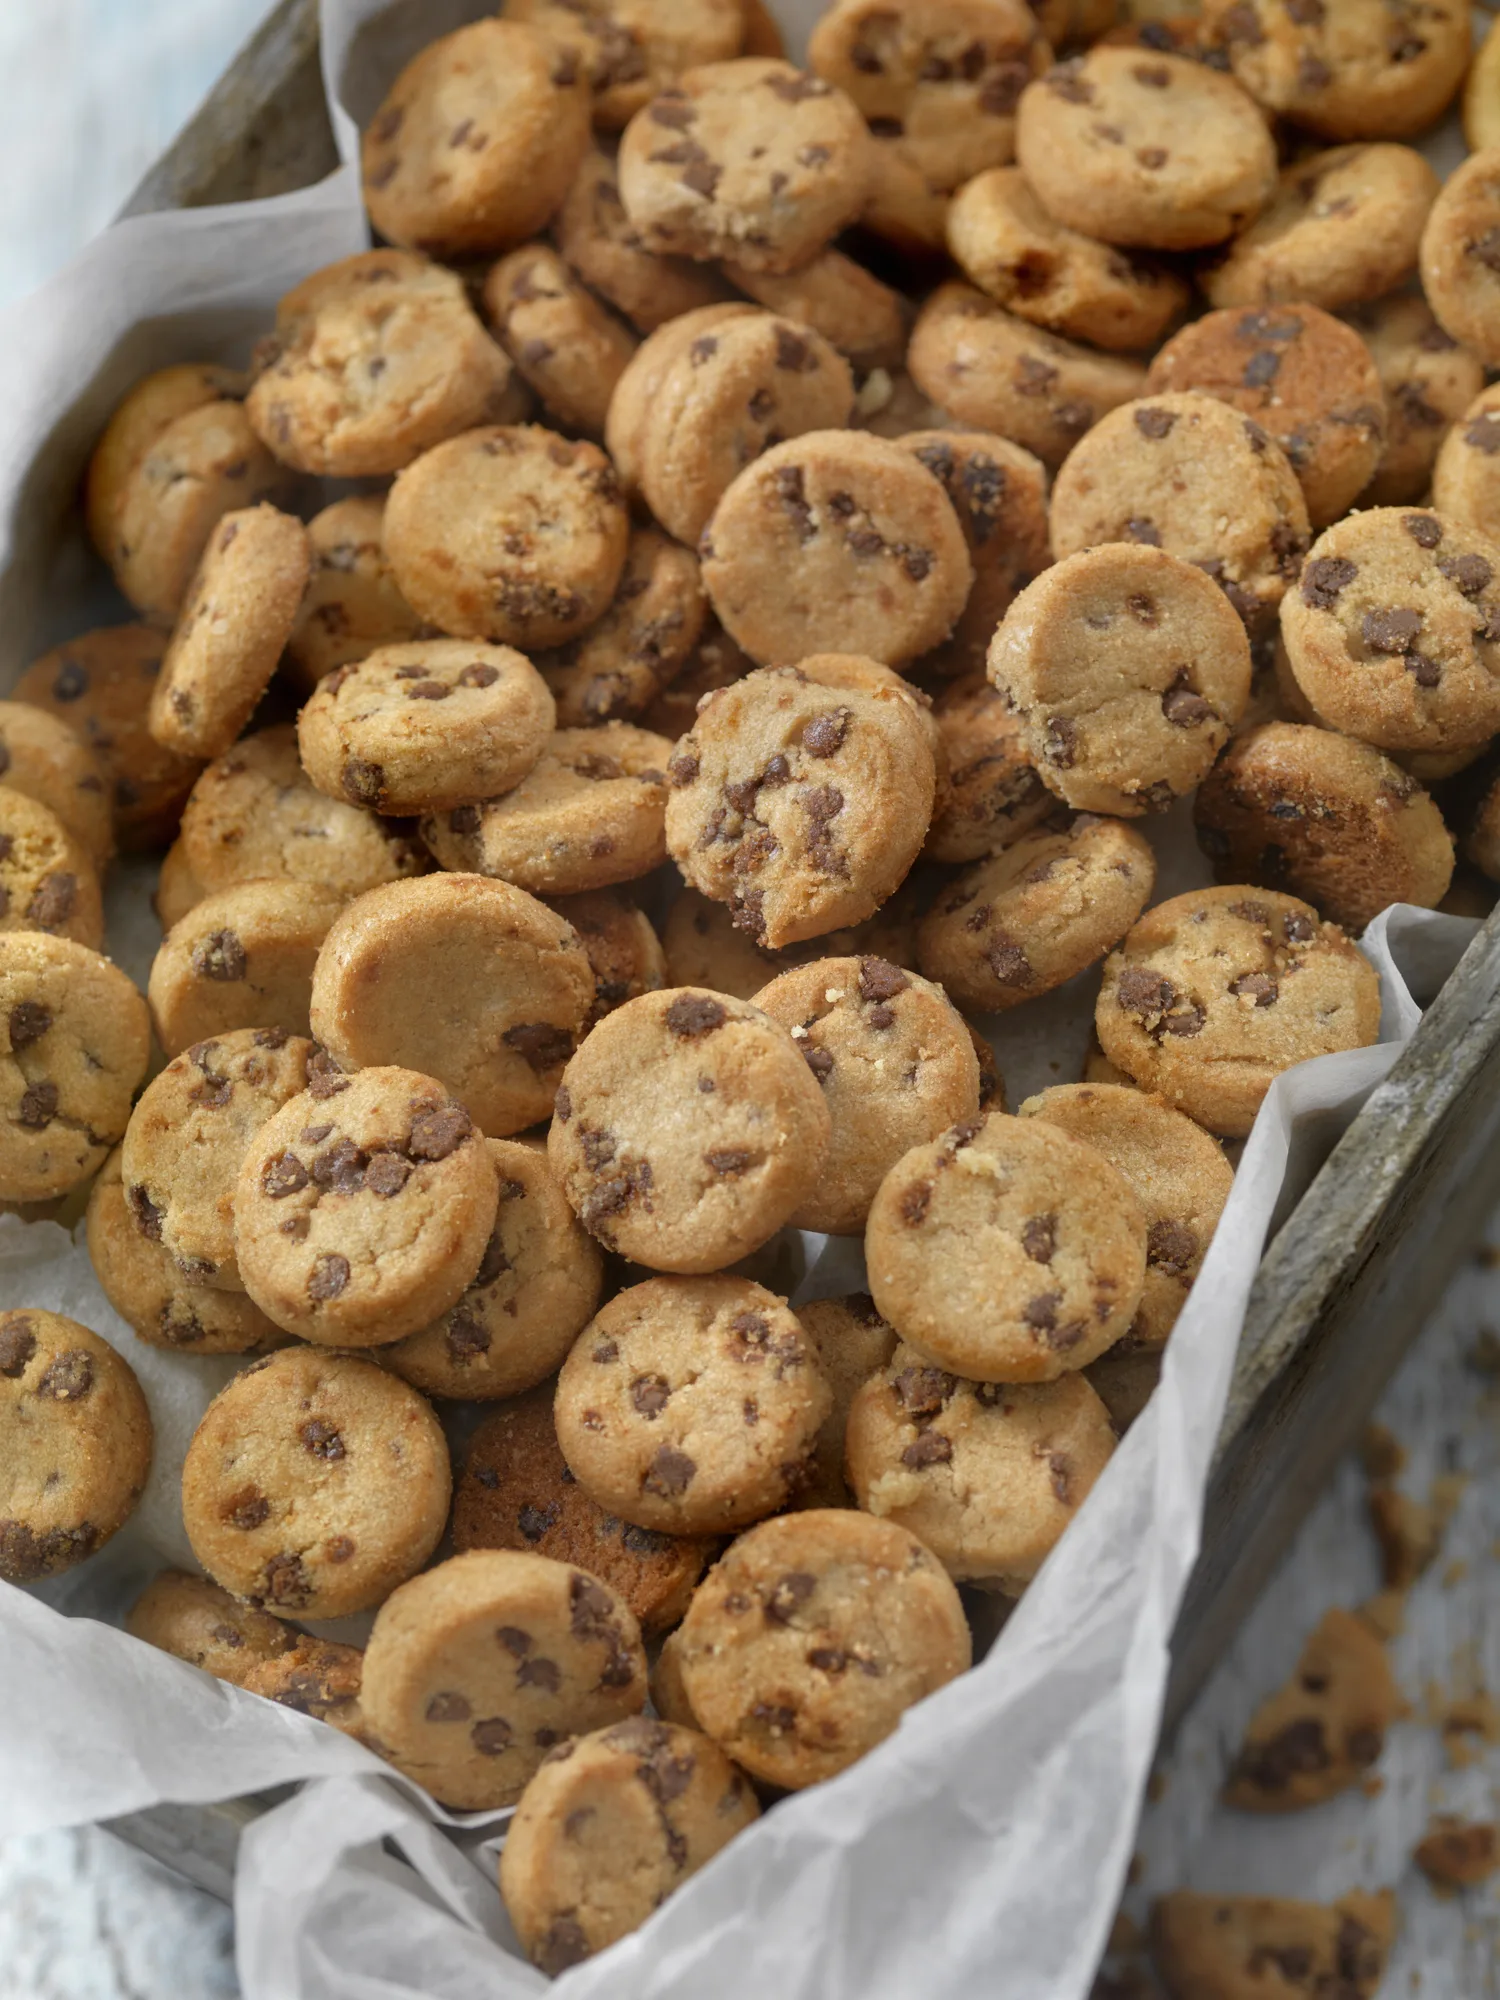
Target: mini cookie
{"points": [[363, 1207], [1044, 908], [1393, 631], [150, 1293], [632, 406], [612, 672], [188, 1136], [240, 959], [1010, 247], [999, 493], [1157, 152], [470, 1718], [1177, 1172], [1327, 818], [1007, 1251], [1466, 475], [852, 1343], [721, 399], [147, 409], [944, 78], [1456, 1853], [688, 1129], [608, 1828], [101, 684], [315, 1483], [1368, 72], [988, 1474], [1341, 227], [509, 533], [624, 953], [607, 251], [1158, 471], [564, 343], [51, 763], [800, 796], [705, 947], [47, 881], [77, 1038], [374, 359], [254, 815], [902, 212], [198, 1622], [516, 1492], [1223, 1944], [838, 299], [810, 1638], [351, 604], [631, 49], [1213, 994], [318, 1677], [235, 620], [750, 160], [1306, 378], [425, 726], [691, 1405], [1319, 1734], [75, 1443], [536, 1287], [476, 141], [591, 812], [1127, 668], [205, 464], [994, 793], [896, 1065], [1000, 373], [1429, 382], [866, 552]]}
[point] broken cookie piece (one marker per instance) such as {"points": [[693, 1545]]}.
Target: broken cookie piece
{"points": [[1324, 1730]]}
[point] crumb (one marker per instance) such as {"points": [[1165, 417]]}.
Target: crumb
{"points": [[1156, 1785], [1456, 1853], [1408, 1533], [1467, 1722], [1385, 1613], [1373, 1786], [1381, 1452], [1455, 1572], [1484, 1356]]}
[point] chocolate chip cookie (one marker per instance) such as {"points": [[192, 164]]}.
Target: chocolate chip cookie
{"points": [[42, 757], [994, 793], [625, 955], [240, 959], [47, 881], [612, 672], [853, 1343], [570, 349], [196, 1621], [1429, 382], [351, 604], [607, 251], [1207, 1944], [136, 422]]}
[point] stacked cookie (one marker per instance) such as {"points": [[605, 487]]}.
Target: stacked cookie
{"points": [[779, 594]]}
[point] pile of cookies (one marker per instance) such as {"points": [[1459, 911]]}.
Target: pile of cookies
{"points": [[769, 584]]}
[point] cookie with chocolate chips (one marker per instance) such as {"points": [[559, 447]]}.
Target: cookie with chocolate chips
{"points": [[476, 142], [318, 1677], [751, 160], [589, 813], [475, 1671], [1466, 474], [691, 1405], [988, 1474], [1185, 473], [802, 795], [839, 300], [425, 726], [1214, 993], [853, 1342], [537, 1284], [1307, 379], [51, 763], [516, 1492], [995, 371], [896, 1065], [1326, 817], [1429, 383], [612, 672], [242, 958], [47, 881], [1393, 632], [187, 1139], [315, 1483], [566, 346], [351, 604], [363, 1207], [75, 1443], [812, 1636], [75, 1038], [1460, 256], [994, 793], [1179, 1176], [610, 1825], [1126, 669], [1007, 1251], [605, 248], [1207, 1944], [624, 953], [1042, 909], [631, 49], [199, 1622]]}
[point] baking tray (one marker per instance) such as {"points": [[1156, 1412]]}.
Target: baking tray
{"points": [[1349, 1278]]}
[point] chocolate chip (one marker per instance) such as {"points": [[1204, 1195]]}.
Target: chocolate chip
{"points": [[1061, 745], [1039, 1238], [788, 1595], [1299, 1748], [928, 1448], [1259, 987], [1425, 529], [534, 1522], [69, 1377], [729, 1162], [1171, 1247], [791, 489], [825, 733], [1009, 963], [38, 1106], [693, 1015], [1484, 432], [1152, 422], [562, 1104], [363, 783], [492, 1736], [246, 1509], [438, 1131], [1470, 574], [650, 1395], [279, 1177], [1064, 81], [17, 1345], [53, 901], [1261, 368], [448, 1707], [1324, 578], [28, 1021], [287, 1582], [1033, 377], [341, 1169], [563, 1944], [1391, 630], [387, 1174], [1139, 529], [793, 352], [540, 1044], [324, 1077], [915, 1202], [880, 980], [322, 1439], [1182, 707], [669, 1474], [464, 821], [328, 1277]]}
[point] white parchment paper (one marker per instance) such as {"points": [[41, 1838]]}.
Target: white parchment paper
{"points": [[983, 1847]]}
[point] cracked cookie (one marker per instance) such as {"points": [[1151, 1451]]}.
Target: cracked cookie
{"points": [[196, 1621], [315, 1483], [242, 958], [75, 1443], [1214, 993], [1323, 1731], [351, 604], [566, 346], [687, 1130], [994, 794], [318, 1677], [42, 757], [479, 1668], [809, 1639], [1007, 1251], [363, 1207], [1429, 383], [47, 881], [613, 672]]}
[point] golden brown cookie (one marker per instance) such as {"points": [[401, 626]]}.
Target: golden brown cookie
{"points": [[1429, 382], [47, 881], [853, 1343], [351, 604], [565, 345], [198, 1622], [994, 793], [1221, 1945], [42, 757], [241, 958], [612, 672], [1466, 474]]}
